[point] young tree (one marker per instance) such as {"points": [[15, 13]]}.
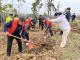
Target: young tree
{"points": [[36, 6], [51, 7]]}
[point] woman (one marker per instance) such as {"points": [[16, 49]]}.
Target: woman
{"points": [[64, 26]]}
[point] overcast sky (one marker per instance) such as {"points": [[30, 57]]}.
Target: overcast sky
{"points": [[26, 8]]}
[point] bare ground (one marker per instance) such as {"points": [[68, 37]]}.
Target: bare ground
{"points": [[45, 49]]}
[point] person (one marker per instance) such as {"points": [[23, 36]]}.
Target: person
{"points": [[64, 26], [41, 24], [2, 20], [68, 14], [16, 16], [26, 27], [14, 27], [48, 25], [73, 17], [33, 22], [9, 18], [28, 23]]}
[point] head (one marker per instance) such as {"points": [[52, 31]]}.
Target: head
{"points": [[40, 15], [21, 21], [57, 14], [68, 9], [16, 15], [10, 14]]}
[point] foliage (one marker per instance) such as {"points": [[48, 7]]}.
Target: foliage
{"points": [[51, 7], [36, 7]]}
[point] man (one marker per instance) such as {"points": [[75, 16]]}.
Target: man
{"points": [[33, 22], [64, 26], [14, 28], [9, 18], [73, 17], [48, 25], [68, 14], [28, 23], [2, 20], [41, 24]]}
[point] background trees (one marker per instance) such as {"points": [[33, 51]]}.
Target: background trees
{"points": [[36, 6]]}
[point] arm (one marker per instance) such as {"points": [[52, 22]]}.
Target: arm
{"points": [[57, 20], [7, 25]]}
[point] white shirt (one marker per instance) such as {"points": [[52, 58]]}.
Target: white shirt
{"points": [[63, 23]]}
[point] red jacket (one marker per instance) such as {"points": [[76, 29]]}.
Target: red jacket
{"points": [[47, 23], [14, 26]]}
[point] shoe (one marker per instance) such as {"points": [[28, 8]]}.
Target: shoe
{"points": [[62, 45]]}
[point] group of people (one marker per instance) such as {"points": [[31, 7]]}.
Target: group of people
{"points": [[19, 27], [68, 15]]}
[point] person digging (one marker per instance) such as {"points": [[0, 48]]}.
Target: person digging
{"points": [[14, 28]]}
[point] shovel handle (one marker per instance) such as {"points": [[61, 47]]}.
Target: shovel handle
{"points": [[17, 37]]}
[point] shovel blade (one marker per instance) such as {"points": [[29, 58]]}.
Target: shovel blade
{"points": [[30, 45]]}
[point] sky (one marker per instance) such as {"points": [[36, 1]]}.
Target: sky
{"points": [[26, 8]]}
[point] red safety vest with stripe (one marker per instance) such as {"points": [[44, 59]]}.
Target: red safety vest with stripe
{"points": [[14, 26], [48, 23], [28, 22]]}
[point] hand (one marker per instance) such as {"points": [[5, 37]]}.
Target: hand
{"points": [[25, 40], [8, 34]]}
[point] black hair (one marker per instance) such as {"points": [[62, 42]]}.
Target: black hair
{"points": [[11, 14], [22, 18], [57, 14], [16, 15], [68, 8]]}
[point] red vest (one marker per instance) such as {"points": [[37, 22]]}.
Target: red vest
{"points": [[48, 23], [28, 21], [14, 26]]}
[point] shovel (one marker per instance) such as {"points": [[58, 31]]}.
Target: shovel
{"points": [[30, 45]]}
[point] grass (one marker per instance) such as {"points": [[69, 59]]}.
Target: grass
{"points": [[72, 50]]}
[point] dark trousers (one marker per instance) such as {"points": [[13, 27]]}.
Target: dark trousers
{"points": [[61, 32], [41, 25], [25, 35], [9, 44], [50, 31]]}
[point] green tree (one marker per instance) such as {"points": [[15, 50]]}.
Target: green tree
{"points": [[36, 6], [50, 6], [5, 9]]}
